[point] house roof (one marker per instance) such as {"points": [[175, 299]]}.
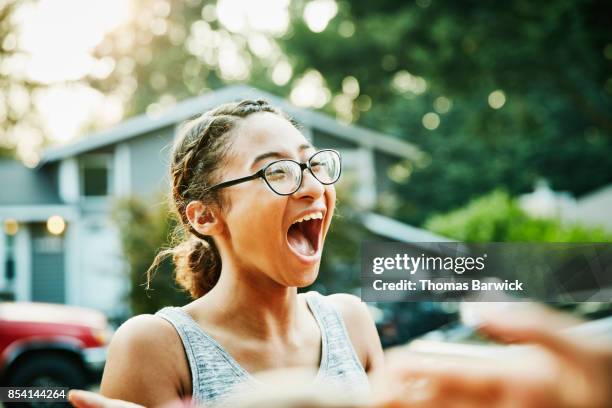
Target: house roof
{"points": [[398, 231], [194, 106], [23, 186]]}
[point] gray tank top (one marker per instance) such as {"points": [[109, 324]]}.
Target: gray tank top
{"points": [[215, 374]]}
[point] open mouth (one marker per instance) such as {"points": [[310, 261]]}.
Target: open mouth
{"points": [[303, 235]]}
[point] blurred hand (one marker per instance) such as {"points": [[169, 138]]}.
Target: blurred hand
{"points": [[560, 370], [87, 399]]}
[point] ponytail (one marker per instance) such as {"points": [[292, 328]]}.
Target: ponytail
{"points": [[198, 265]]}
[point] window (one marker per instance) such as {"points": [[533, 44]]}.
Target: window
{"points": [[358, 173], [96, 175]]}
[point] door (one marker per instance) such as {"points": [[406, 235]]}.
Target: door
{"points": [[48, 265]]}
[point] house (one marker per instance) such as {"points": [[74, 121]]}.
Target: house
{"points": [[591, 209], [59, 244]]}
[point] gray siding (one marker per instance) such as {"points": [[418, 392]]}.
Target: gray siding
{"points": [[150, 158], [20, 185]]}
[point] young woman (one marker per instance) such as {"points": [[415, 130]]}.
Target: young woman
{"points": [[256, 200]]}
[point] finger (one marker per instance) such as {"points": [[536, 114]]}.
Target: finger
{"points": [[431, 392], [516, 313], [526, 323], [181, 403], [84, 399], [87, 399], [559, 344], [423, 376]]}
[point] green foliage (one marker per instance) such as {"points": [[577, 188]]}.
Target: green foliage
{"points": [[496, 217], [144, 230], [552, 60], [7, 152], [13, 83]]}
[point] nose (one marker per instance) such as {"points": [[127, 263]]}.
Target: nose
{"points": [[311, 187]]}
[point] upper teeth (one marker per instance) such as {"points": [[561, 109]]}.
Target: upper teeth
{"points": [[313, 216]]}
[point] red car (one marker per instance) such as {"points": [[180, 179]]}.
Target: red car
{"points": [[51, 345]]}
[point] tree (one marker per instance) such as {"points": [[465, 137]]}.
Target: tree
{"points": [[18, 119], [496, 217], [546, 68], [497, 94], [144, 231]]}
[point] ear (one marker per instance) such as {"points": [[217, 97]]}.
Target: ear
{"points": [[204, 219]]}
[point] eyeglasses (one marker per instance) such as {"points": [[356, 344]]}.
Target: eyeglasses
{"points": [[284, 177]]}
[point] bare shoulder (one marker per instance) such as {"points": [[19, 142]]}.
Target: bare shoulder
{"points": [[146, 363], [361, 328], [145, 334], [353, 310]]}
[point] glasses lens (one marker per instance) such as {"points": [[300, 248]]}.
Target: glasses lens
{"points": [[325, 166], [283, 176]]}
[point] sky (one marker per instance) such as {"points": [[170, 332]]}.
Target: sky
{"points": [[60, 36], [56, 39]]}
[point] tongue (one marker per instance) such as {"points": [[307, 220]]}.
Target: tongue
{"points": [[299, 242]]}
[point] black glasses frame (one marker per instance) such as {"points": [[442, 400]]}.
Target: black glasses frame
{"points": [[262, 174]]}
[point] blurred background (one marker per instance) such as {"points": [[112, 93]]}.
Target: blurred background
{"points": [[470, 121]]}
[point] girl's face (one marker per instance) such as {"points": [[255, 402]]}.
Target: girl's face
{"points": [[263, 229]]}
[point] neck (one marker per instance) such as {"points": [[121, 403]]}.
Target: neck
{"points": [[252, 303]]}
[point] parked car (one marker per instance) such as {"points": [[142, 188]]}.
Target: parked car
{"points": [[398, 323], [51, 345]]}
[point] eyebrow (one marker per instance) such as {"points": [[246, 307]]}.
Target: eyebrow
{"points": [[279, 155]]}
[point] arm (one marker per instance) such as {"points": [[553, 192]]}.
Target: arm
{"points": [[362, 330], [146, 363]]}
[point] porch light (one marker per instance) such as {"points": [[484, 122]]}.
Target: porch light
{"points": [[56, 225], [11, 226]]}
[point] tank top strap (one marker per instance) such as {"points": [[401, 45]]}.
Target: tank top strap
{"points": [[214, 373], [342, 365]]}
